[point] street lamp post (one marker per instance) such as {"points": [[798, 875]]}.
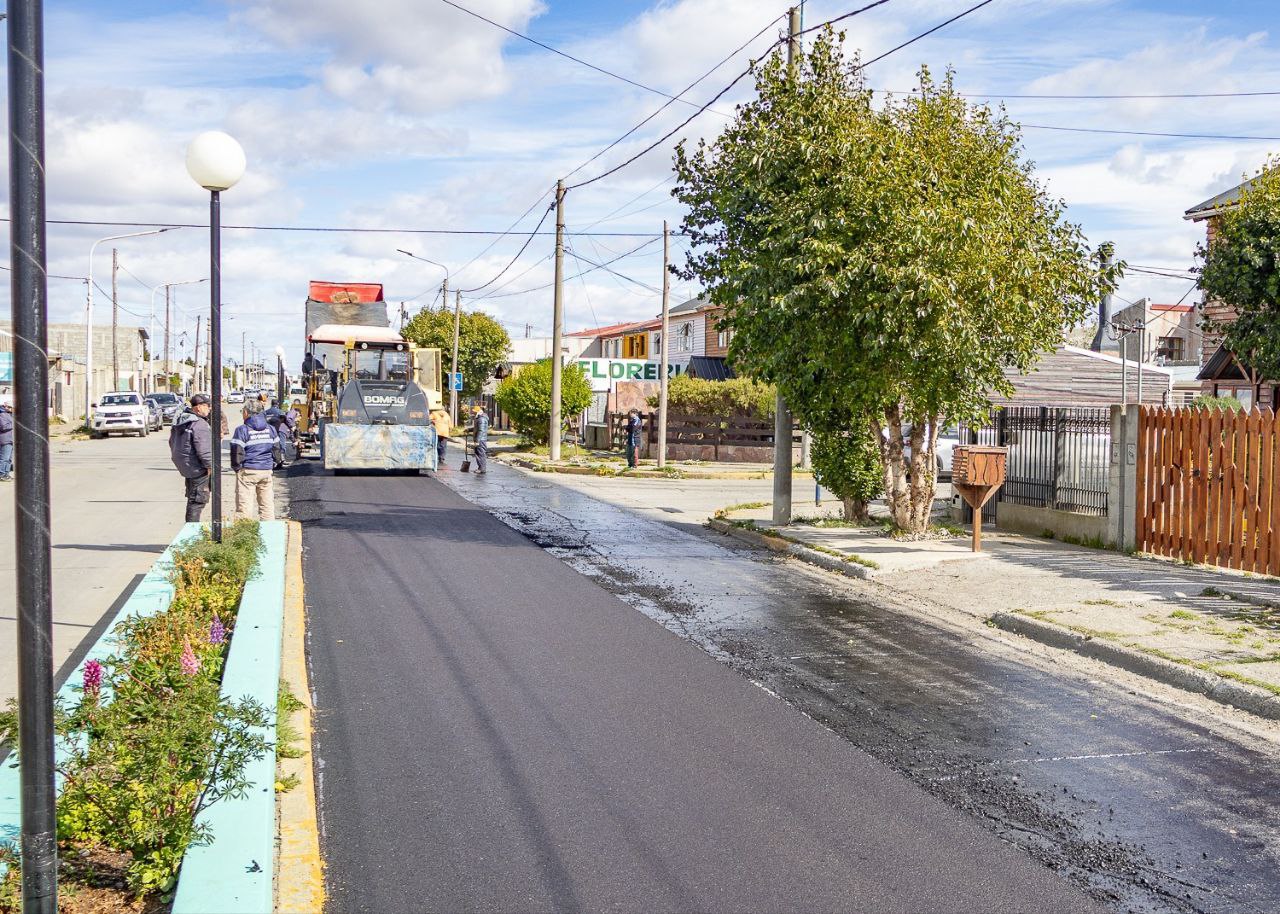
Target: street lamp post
{"points": [[88, 313], [151, 363], [216, 162], [457, 313]]}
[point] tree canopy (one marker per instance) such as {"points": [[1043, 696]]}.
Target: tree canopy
{"points": [[887, 262], [1241, 268], [526, 397], [482, 343]]}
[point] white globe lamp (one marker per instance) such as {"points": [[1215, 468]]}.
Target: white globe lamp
{"points": [[215, 160]]}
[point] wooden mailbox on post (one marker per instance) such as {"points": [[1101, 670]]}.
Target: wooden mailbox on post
{"points": [[977, 473]]}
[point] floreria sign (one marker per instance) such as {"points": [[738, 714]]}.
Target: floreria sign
{"points": [[604, 373]]}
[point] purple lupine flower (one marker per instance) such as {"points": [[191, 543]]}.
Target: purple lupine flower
{"points": [[190, 663], [217, 632], [92, 679]]}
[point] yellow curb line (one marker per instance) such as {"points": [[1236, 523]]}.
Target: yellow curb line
{"points": [[299, 868]]}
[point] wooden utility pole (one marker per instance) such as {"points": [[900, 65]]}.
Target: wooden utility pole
{"points": [[782, 416], [662, 359], [115, 319], [453, 371], [556, 329]]}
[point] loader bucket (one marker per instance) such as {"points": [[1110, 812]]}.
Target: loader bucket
{"points": [[379, 447]]}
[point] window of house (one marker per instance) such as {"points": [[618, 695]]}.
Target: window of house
{"points": [[684, 338], [657, 341], [1171, 348], [635, 346], [724, 338]]}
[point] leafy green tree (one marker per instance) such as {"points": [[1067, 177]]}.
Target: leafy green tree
{"points": [[1241, 268], [889, 262], [848, 464], [526, 397], [482, 343]]}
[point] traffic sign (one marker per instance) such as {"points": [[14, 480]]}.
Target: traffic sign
{"points": [[457, 380]]}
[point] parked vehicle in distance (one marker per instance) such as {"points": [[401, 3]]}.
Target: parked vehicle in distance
{"points": [[155, 416], [170, 405], [235, 396], [948, 438], [119, 411], [297, 394]]}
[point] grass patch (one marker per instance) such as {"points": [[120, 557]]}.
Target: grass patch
{"points": [[724, 513], [1102, 603], [288, 739], [1186, 614]]}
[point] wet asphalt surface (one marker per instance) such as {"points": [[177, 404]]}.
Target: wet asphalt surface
{"points": [[1146, 810], [497, 732]]}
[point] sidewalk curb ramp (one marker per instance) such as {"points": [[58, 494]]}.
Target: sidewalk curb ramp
{"points": [[804, 553], [1225, 691], [233, 873]]}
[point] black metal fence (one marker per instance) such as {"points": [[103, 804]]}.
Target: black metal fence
{"points": [[1059, 457]]}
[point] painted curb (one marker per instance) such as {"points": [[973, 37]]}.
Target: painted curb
{"points": [[804, 553], [299, 867], [153, 594], [1225, 691], [233, 873]]}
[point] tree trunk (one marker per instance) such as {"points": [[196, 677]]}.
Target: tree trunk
{"points": [[910, 483], [855, 510]]}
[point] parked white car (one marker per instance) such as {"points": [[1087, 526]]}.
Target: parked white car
{"points": [[948, 438], [120, 412]]}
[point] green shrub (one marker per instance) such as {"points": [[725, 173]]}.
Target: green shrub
{"points": [[152, 741], [1230, 404], [735, 397], [848, 464], [526, 398]]}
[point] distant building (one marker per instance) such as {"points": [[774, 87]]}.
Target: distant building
{"points": [[66, 351]]}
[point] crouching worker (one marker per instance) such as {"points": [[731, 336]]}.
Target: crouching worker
{"points": [[255, 452]]}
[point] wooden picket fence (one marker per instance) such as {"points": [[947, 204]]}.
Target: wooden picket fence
{"points": [[1208, 487]]}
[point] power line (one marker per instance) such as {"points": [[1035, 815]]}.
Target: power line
{"points": [[630, 253], [509, 230], [519, 253], [1179, 136], [565, 55], [585, 293], [687, 88], [607, 269], [338, 229], [749, 69], [940, 25]]}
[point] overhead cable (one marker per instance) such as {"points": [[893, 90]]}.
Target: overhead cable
{"points": [[1178, 136], [565, 55]]}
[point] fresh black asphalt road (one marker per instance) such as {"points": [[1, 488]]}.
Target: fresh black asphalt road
{"points": [[496, 732]]}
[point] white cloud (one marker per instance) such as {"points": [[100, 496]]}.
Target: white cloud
{"points": [[418, 57]]}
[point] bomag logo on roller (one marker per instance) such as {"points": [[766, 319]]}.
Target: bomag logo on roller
{"points": [[383, 400]]}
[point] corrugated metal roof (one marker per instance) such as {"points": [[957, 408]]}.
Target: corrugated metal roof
{"points": [[709, 368], [1214, 205]]}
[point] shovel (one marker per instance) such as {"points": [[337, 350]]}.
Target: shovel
{"points": [[466, 457]]}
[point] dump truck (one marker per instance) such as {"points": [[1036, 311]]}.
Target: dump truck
{"points": [[373, 398]]}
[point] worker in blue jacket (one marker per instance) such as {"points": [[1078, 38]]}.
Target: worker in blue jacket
{"points": [[255, 453]]}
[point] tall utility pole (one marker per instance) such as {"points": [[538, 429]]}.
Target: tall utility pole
{"points": [[115, 318], [662, 359], [557, 318], [168, 346], [33, 544], [453, 394], [244, 366], [782, 416]]}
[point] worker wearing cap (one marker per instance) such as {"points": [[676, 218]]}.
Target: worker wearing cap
{"points": [[191, 450]]}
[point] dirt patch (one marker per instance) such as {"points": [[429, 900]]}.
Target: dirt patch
{"points": [[89, 882]]}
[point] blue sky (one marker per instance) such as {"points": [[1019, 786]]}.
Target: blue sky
{"points": [[408, 114]]}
